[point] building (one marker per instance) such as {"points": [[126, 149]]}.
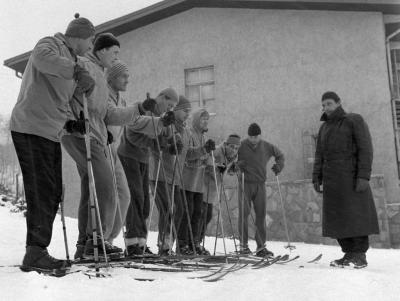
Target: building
{"points": [[269, 62]]}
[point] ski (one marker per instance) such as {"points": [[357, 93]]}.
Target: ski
{"points": [[267, 263], [224, 273], [132, 265], [288, 260], [55, 272], [210, 274], [316, 259]]}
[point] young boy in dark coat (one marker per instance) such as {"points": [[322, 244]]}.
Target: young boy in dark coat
{"points": [[253, 156], [343, 161]]}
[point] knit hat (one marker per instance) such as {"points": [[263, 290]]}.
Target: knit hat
{"points": [[254, 130], [183, 103], [170, 94], [330, 95], [233, 139], [116, 70], [80, 28], [105, 40]]}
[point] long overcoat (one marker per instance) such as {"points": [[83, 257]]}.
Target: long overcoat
{"points": [[343, 154]]}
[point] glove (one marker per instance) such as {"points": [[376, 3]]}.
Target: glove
{"points": [[167, 118], [110, 138], [234, 168], [361, 184], [76, 126], [276, 169], [221, 168], [149, 105], [317, 187], [209, 146], [179, 146], [85, 83]]}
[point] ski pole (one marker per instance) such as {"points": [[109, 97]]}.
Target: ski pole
{"points": [[288, 246], [242, 211], [152, 205], [115, 184], [94, 206], [63, 222], [162, 165], [219, 201], [229, 215], [184, 198], [204, 227]]}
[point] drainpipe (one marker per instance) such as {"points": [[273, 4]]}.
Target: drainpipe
{"points": [[393, 103]]}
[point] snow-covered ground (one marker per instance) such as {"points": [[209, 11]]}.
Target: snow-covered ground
{"points": [[297, 280]]}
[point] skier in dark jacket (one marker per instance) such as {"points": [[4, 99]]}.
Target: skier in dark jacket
{"points": [[253, 156], [343, 161]]}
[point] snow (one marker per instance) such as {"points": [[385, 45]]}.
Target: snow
{"points": [[297, 280]]}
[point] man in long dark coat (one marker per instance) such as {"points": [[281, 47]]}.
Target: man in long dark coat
{"points": [[343, 161]]}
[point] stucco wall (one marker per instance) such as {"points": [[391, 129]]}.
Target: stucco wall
{"points": [[271, 67]]}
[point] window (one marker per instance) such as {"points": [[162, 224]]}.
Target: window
{"points": [[199, 86]]}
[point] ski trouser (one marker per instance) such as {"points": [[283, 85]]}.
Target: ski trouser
{"points": [[255, 193], [137, 174], [194, 202], [165, 241], [124, 197], [40, 161], [206, 218], [354, 244], [102, 174]]}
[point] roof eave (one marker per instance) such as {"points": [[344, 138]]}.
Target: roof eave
{"points": [[169, 8]]}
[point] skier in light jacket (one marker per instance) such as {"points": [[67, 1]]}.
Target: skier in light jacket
{"points": [[37, 120]]}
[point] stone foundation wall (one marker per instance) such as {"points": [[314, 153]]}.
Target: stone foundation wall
{"points": [[303, 207]]}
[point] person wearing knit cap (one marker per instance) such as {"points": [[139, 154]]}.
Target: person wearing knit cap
{"points": [[100, 115], [253, 156], [169, 182], [37, 120], [193, 179], [118, 79], [226, 165], [133, 151], [343, 162]]}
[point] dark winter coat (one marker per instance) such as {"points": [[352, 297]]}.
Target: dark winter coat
{"points": [[343, 154]]}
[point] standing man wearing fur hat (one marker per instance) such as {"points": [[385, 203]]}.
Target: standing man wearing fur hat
{"points": [[133, 152], [193, 180], [343, 163], [49, 80], [253, 156], [103, 55], [225, 160]]}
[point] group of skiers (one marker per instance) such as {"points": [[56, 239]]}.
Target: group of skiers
{"points": [[150, 144]]}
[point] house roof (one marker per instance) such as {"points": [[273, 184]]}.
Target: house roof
{"points": [[169, 8]]}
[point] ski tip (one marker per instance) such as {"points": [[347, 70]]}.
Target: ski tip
{"points": [[144, 279]]}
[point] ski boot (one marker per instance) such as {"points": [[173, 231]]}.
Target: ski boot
{"points": [[38, 259], [264, 252], [80, 251], [200, 250], [358, 260], [134, 250], [342, 262], [184, 250], [166, 252], [244, 250], [109, 248]]}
